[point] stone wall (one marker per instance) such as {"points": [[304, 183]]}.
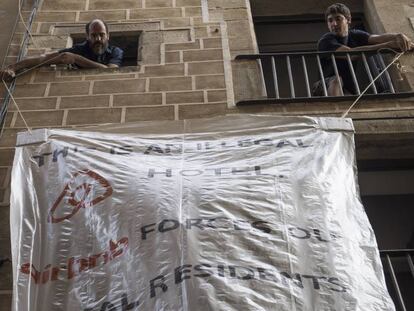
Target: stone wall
{"points": [[8, 14], [286, 8]]}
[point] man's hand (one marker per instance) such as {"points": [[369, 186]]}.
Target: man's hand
{"points": [[396, 41], [403, 42], [7, 74]]}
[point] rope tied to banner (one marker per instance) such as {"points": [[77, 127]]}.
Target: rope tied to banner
{"points": [[396, 58]]}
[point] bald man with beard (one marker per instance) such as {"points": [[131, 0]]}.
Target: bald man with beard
{"points": [[94, 52]]}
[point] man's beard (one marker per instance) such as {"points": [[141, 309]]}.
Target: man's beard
{"points": [[99, 48]]}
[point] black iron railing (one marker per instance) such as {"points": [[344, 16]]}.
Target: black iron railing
{"points": [[399, 274], [291, 77]]}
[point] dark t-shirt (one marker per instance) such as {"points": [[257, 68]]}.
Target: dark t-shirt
{"points": [[112, 54], [331, 42]]}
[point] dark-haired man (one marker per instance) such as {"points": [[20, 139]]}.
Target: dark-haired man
{"points": [[94, 52], [341, 38]]}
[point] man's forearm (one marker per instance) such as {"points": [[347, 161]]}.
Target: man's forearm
{"points": [[371, 47], [57, 58], [27, 63], [382, 38], [34, 61], [386, 37], [397, 41]]}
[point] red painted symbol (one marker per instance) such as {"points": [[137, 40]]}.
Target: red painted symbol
{"points": [[85, 189]]}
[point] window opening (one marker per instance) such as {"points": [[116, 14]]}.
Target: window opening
{"points": [[127, 41]]}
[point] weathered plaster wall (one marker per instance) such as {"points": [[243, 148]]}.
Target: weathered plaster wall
{"points": [[283, 8], [8, 14]]}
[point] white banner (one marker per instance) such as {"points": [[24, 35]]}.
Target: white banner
{"points": [[231, 213]]}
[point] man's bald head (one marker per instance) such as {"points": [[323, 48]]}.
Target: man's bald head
{"points": [[93, 22], [97, 36]]}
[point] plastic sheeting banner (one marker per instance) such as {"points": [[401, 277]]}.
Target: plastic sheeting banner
{"points": [[231, 213]]}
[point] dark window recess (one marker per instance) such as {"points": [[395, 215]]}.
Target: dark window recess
{"points": [[391, 217], [128, 42], [294, 33]]}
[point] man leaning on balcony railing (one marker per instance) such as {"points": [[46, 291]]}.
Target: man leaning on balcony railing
{"points": [[342, 39]]}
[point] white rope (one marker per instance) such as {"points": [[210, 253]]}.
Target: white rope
{"points": [[17, 107], [369, 85], [11, 95], [36, 66]]}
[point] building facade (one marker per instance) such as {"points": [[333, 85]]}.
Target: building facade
{"points": [[201, 58]]}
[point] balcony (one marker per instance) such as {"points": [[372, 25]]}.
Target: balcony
{"points": [[290, 77]]}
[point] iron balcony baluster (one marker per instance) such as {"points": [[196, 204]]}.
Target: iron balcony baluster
{"points": [[291, 85], [354, 78], [387, 256], [305, 71], [262, 74], [368, 71], [386, 74], [275, 82], [325, 92], [410, 264], [395, 282], [337, 73]]}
